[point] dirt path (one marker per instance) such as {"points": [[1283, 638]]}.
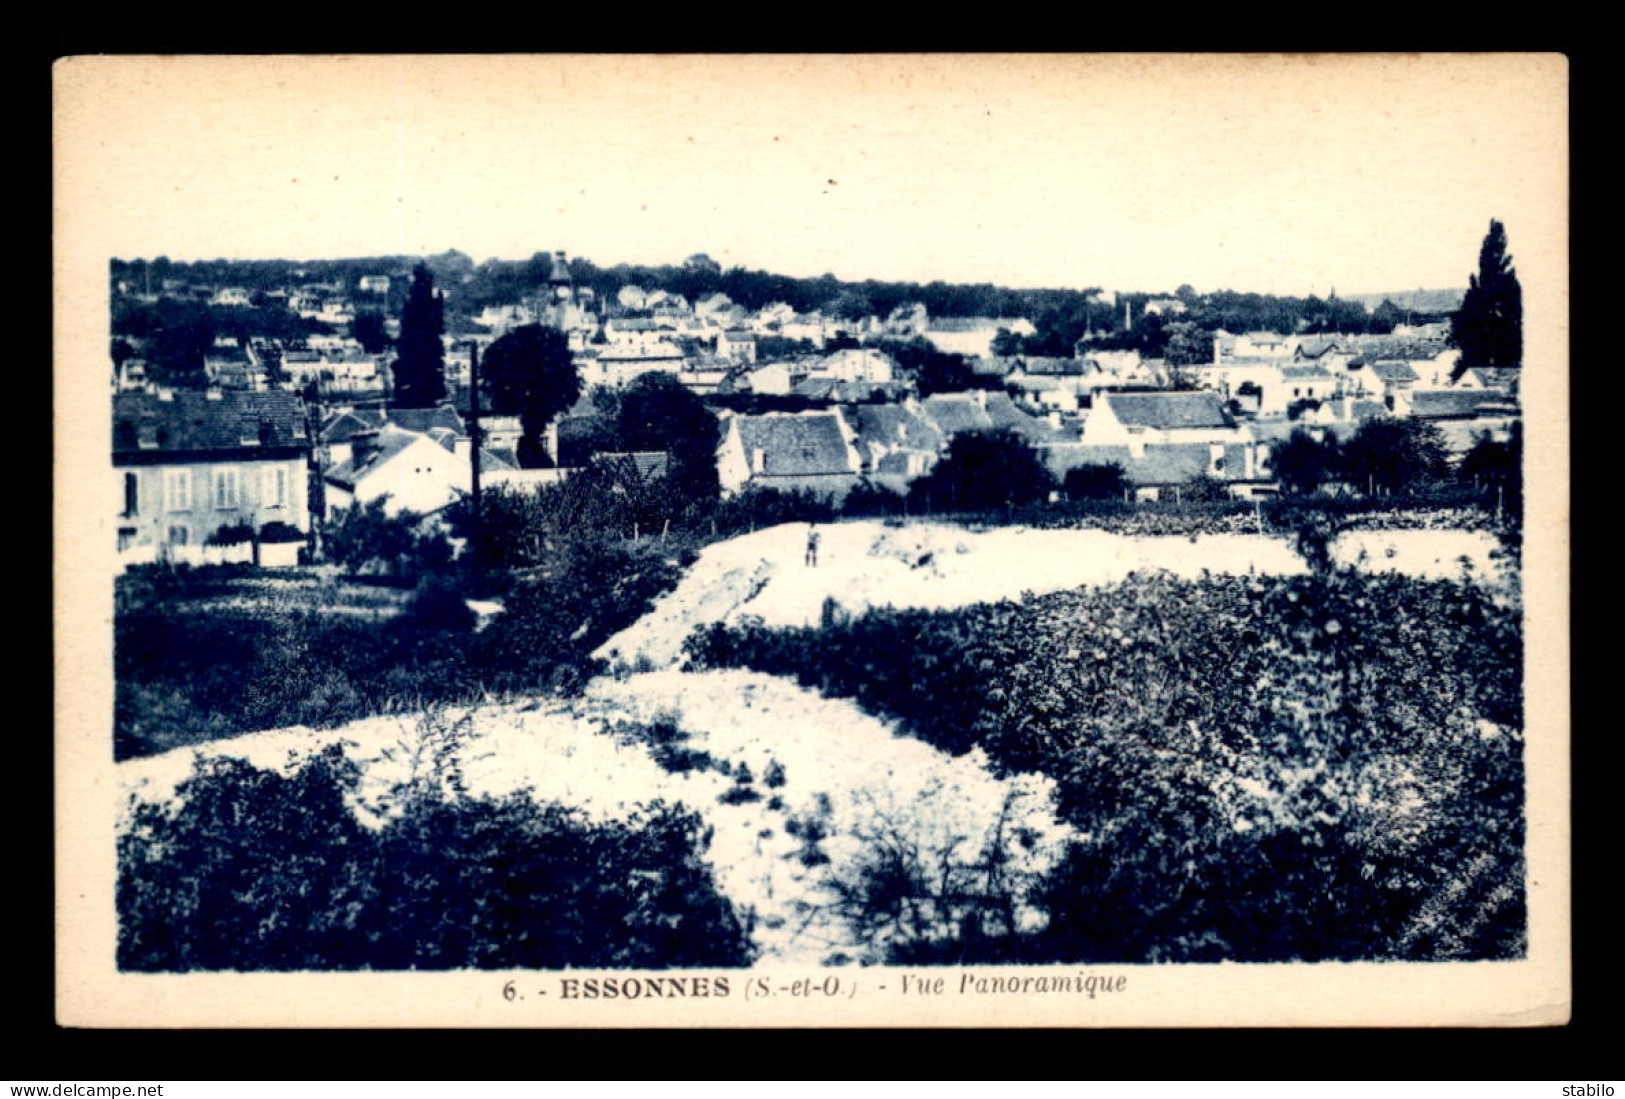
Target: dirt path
{"points": [[925, 566]]}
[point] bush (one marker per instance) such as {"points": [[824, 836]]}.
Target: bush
{"points": [[984, 469], [1308, 767], [278, 531], [439, 605], [1095, 482], [1203, 489], [183, 676], [1395, 455], [553, 622], [869, 500], [256, 871], [1303, 463], [366, 540], [756, 508], [233, 535]]}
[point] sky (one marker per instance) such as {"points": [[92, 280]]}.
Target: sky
{"points": [[1272, 174]]}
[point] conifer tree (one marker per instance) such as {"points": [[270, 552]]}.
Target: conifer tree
{"points": [[1489, 325], [420, 364]]}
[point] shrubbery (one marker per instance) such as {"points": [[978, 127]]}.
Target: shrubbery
{"points": [[278, 531], [984, 470], [1312, 767], [256, 871], [756, 508], [366, 540], [1095, 482], [183, 677]]}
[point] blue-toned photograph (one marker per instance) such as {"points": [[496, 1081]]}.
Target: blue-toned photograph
{"points": [[635, 525]]}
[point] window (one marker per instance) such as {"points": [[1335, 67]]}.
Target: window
{"points": [[132, 495], [178, 489], [177, 536], [225, 489], [274, 492]]}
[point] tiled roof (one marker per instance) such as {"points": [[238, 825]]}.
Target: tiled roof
{"points": [[1432, 403], [1461, 435], [341, 427], [1177, 463], [1056, 366], [891, 425], [955, 412], [965, 324], [1305, 372], [1313, 347], [1159, 464], [796, 444], [1497, 377], [192, 420], [1393, 371], [644, 464], [423, 419], [1387, 347], [1003, 413], [995, 365], [495, 459], [1164, 411], [391, 441]]}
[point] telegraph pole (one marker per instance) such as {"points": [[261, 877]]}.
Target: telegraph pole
{"points": [[474, 448]]}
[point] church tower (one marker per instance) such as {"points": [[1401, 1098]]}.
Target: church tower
{"points": [[561, 295]]}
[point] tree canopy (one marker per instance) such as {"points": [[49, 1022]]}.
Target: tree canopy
{"points": [[420, 364], [985, 469], [368, 330], [1303, 463], [657, 412], [1489, 325], [1395, 455], [529, 373]]}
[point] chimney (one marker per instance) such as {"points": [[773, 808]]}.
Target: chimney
{"points": [[363, 445]]}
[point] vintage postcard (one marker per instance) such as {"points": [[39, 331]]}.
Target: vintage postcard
{"points": [[815, 541]]}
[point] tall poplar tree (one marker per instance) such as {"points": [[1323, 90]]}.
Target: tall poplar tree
{"points": [[1489, 325], [420, 363]]}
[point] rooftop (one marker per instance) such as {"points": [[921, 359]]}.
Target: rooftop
{"points": [[197, 420]]}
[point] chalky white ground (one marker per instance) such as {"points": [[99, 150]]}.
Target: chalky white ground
{"points": [[872, 777]]}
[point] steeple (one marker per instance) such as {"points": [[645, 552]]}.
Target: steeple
{"points": [[560, 279]]}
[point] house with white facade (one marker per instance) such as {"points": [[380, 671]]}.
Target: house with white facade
{"points": [[855, 364], [815, 451], [973, 336], [1136, 419], [190, 463], [414, 471]]}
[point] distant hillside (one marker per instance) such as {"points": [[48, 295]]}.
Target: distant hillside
{"points": [[1423, 301]]}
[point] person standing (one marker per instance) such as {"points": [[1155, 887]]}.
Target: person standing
{"points": [[812, 547]]}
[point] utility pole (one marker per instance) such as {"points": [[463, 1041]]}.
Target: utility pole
{"points": [[315, 422], [474, 433]]}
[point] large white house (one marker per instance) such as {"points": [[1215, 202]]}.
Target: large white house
{"points": [[412, 470], [190, 463]]}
